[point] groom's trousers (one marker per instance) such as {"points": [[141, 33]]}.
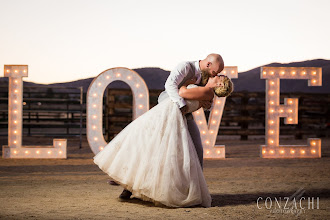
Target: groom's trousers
{"points": [[193, 130]]}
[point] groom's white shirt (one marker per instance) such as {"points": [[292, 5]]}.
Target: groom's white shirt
{"points": [[177, 76]]}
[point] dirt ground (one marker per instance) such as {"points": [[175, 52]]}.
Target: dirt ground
{"points": [[75, 188]]}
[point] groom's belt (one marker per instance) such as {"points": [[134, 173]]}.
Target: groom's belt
{"points": [[189, 116]]}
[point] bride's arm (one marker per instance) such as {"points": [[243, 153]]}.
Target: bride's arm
{"points": [[198, 93]]}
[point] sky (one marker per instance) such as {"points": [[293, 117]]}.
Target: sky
{"points": [[66, 40]]}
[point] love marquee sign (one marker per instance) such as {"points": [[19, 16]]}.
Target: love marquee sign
{"points": [[209, 132]]}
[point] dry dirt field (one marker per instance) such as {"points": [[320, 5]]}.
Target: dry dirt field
{"points": [[75, 188]]}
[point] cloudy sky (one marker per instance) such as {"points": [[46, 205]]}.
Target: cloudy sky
{"points": [[65, 40]]}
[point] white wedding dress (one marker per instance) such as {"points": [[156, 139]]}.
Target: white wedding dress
{"points": [[154, 157]]}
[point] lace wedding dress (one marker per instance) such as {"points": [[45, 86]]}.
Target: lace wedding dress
{"points": [[154, 158]]}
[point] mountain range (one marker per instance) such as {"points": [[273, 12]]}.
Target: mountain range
{"points": [[247, 81]]}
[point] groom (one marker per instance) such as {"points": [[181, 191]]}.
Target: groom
{"points": [[201, 70], [211, 66]]}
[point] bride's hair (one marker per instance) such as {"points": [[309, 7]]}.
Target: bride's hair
{"points": [[226, 90]]}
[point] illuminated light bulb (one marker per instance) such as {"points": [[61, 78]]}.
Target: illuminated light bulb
{"points": [[290, 101], [313, 143], [15, 142], [118, 74], [271, 141], [15, 152], [108, 77], [282, 73], [94, 105], [203, 132], [314, 73], [272, 82], [290, 110], [263, 151], [140, 106], [302, 152], [16, 91], [141, 95], [281, 110], [216, 112], [94, 94], [232, 71], [314, 81], [99, 84], [94, 127], [271, 151], [15, 132], [271, 102], [197, 112], [15, 111], [16, 81], [207, 142], [94, 116], [129, 77], [101, 148], [303, 73], [15, 122], [15, 101], [26, 151], [49, 152], [95, 138], [282, 151], [60, 144], [207, 152], [213, 122], [137, 85], [218, 152], [290, 119], [272, 92], [271, 132], [218, 102], [293, 73], [271, 110], [200, 122], [211, 131], [24, 71], [292, 151], [16, 71], [271, 122], [271, 73], [264, 73], [313, 151], [8, 71], [60, 152], [38, 152], [24, 103]]}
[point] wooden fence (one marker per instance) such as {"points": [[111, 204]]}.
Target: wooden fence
{"points": [[244, 114]]}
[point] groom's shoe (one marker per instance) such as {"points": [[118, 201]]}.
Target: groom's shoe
{"points": [[125, 194]]}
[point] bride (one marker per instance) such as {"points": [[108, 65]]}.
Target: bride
{"points": [[154, 157]]}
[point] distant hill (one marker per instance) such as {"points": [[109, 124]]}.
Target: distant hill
{"points": [[247, 81]]}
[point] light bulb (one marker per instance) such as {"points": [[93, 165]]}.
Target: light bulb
{"points": [[218, 152], [271, 141], [272, 82], [38, 152], [101, 148], [224, 72], [302, 152], [94, 127], [200, 122], [137, 85], [24, 71], [8, 71], [232, 71], [293, 73], [94, 116], [60, 144], [290, 101], [16, 81], [60, 152], [15, 142], [292, 151], [15, 111], [207, 142], [303, 73], [16, 71], [290, 110], [216, 112], [282, 151], [290, 119], [16, 91], [271, 102], [211, 131], [15, 152], [141, 95], [281, 110], [49, 152], [118, 74], [197, 112], [314, 73], [26, 151], [94, 94], [271, 132], [218, 102], [207, 152], [282, 73], [108, 77], [263, 151], [271, 122], [203, 132], [313, 143], [313, 81], [271, 110], [272, 92], [94, 105], [129, 77], [271, 151], [95, 138], [15, 122], [313, 151], [264, 73], [99, 84], [213, 122], [271, 73], [140, 106], [15, 132]]}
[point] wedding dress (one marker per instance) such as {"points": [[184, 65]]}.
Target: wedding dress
{"points": [[154, 157]]}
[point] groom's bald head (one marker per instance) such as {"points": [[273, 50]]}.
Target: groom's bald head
{"points": [[213, 64]]}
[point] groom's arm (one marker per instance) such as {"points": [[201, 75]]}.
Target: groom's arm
{"points": [[172, 83]]}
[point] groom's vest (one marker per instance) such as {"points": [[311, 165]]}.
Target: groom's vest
{"points": [[189, 76]]}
